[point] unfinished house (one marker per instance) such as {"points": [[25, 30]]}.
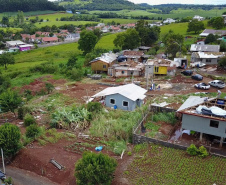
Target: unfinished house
{"points": [[126, 69], [208, 58], [102, 63], [208, 117], [160, 67]]}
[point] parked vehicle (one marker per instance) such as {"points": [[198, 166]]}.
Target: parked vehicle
{"points": [[202, 86], [197, 77], [187, 72], [217, 83]]}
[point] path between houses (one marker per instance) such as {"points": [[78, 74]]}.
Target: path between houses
{"points": [[23, 177]]}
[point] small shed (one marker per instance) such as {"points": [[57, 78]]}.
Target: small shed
{"points": [[124, 97]]}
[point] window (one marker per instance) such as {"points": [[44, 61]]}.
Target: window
{"points": [[123, 72], [156, 69], [104, 66], [208, 60], [214, 124], [112, 101], [125, 103]]}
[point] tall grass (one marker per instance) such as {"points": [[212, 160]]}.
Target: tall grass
{"points": [[168, 117]]}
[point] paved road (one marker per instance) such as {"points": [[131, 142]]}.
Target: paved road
{"points": [[22, 177], [57, 43]]}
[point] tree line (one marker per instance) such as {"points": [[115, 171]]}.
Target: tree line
{"points": [[28, 5]]}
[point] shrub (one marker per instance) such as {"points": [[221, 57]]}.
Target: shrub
{"points": [[10, 139], [192, 150], [22, 111], [49, 87], [119, 147], [94, 107], [29, 120], [32, 131], [168, 117], [202, 152], [95, 169], [129, 153]]}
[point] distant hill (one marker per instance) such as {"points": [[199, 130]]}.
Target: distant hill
{"points": [[27, 5], [107, 5]]}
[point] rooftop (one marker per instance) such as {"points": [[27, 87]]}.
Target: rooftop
{"points": [[198, 47], [206, 32], [106, 57], [209, 54], [212, 109]]}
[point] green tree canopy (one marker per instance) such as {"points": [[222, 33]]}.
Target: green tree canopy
{"points": [[173, 43], [210, 39], [195, 26], [10, 139], [216, 22], [5, 20], [10, 101], [6, 59], [127, 40], [222, 62], [148, 35], [87, 41], [95, 169]]}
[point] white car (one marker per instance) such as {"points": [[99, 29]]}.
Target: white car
{"points": [[217, 83], [202, 86]]}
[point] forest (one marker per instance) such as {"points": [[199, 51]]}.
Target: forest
{"points": [[27, 5]]}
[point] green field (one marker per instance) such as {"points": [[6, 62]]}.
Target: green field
{"points": [[26, 14], [52, 17], [14, 30], [155, 164], [180, 13], [61, 23], [106, 42], [121, 21]]}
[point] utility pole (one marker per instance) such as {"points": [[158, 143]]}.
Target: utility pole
{"points": [[3, 164]]}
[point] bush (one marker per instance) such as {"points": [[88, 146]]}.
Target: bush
{"points": [[95, 169], [168, 117], [22, 111], [202, 152], [94, 107], [32, 131], [10, 139], [29, 120], [192, 150]]}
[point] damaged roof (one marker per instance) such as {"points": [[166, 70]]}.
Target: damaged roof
{"points": [[209, 54], [106, 57], [198, 47]]}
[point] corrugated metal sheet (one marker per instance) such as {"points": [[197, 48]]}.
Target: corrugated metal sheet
{"points": [[130, 91]]}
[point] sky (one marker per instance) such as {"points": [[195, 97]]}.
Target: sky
{"points": [[155, 2]]}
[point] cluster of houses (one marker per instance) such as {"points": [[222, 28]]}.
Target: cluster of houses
{"points": [[207, 54]]}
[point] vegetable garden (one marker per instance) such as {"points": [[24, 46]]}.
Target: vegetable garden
{"points": [[154, 164]]}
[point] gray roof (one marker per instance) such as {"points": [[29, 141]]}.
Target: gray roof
{"points": [[205, 48], [206, 32]]}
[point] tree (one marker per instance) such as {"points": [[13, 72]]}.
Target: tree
{"points": [[5, 20], [6, 59], [87, 41], [210, 39], [149, 35], [222, 46], [20, 17], [195, 26], [98, 33], [10, 101], [222, 62], [10, 139], [216, 22], [95, 169], [173, 43], [128, 40]]}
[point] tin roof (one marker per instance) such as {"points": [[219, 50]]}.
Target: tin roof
{"points": [[198, 47]]}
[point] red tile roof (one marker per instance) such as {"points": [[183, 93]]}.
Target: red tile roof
{"points": [[49, 39]]}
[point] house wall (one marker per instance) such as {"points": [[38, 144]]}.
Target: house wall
{"points": [[149, 71], [213, 61], [99, 66], [200, 124], [162, 70], [25, 49], [125, 73], [119, 102]]}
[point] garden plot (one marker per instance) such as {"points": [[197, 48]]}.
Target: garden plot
{"points": [[154, 164]]}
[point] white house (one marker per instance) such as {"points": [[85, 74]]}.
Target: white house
{"points": [[14, 43], [204, 48], [125, 97], [208, 58], [199, 18], [169, 21]]}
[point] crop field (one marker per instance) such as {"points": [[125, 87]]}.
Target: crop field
{"points": [[61, 23], [155, 164]]}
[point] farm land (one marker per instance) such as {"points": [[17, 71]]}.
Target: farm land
{"points": [[141, 164]]}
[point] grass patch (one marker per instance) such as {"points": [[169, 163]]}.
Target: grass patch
{"points": [[167, 117]]}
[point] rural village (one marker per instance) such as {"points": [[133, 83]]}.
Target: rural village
{"points": [[150, 99]]}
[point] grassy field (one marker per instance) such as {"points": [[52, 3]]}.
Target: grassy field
{"points": [[121, 21], [61, 23], [154, 164], [52, 17], [106, 42], [14, 30]]}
